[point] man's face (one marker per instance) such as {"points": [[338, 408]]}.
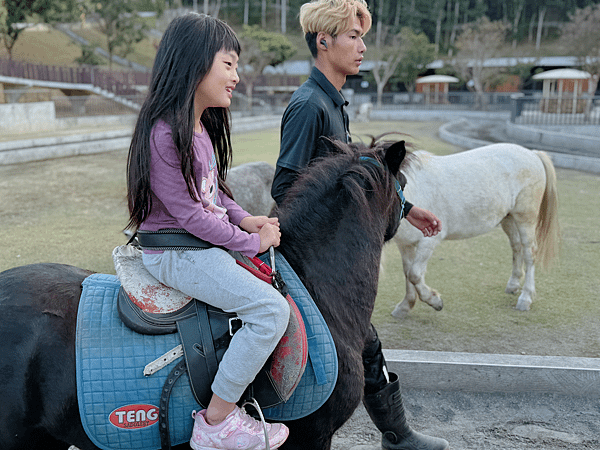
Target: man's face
{"points": [[346, 51]]}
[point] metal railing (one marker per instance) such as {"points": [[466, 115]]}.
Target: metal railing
{"points": [[453, 100], [564, 110]]}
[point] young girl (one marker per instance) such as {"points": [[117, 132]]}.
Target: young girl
{"points": [[178, 160]]}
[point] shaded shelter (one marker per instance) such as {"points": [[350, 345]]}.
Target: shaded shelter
{"points": [[435, 87], [562, 90]]}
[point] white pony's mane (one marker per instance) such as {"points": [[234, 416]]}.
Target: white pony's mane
{"points": [[415, 161]]}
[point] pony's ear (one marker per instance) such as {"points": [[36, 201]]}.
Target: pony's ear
{"points": [[394, 156]]}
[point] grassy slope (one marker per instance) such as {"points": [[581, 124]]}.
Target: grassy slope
{"points": [[44, 47]]}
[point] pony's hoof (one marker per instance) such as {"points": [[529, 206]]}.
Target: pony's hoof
{"points": [[400, 312], [436, 302], [523, 305], [512, 289]]}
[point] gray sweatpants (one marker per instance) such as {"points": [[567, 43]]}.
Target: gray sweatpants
{"points": [[213, 276]]}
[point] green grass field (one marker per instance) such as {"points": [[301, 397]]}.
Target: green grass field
{"points": [[72, 211]]}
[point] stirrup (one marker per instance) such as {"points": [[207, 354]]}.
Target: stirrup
{"points": [[256, 406]]}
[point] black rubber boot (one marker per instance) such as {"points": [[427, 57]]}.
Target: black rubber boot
{"points": [[387, 412]]}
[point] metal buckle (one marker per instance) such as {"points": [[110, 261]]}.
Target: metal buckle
{"points": [[233, 330]]}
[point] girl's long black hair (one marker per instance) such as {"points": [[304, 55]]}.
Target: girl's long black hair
{"points": [[185, 55]]}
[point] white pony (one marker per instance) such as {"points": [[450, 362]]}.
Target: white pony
{"points": [[472, 192], [250, 185]]}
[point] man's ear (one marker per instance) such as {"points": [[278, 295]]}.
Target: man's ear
{"points": [[322, 40]]}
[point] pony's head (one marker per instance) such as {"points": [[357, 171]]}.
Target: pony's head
{"points": [[356, 190]]}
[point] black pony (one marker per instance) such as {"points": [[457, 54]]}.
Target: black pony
{"points": [[334, 224]]}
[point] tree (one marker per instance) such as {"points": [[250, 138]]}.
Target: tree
{"points": [[260, 49], [122, 25], [385, 68], [88, 57], [14, 14], [477, 43], [413, 50], [418, 52], [581, 35]]}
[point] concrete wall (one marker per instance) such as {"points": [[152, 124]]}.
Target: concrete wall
{"points": [[23, 117], [119, 138], [554, 137], [127, 120]]}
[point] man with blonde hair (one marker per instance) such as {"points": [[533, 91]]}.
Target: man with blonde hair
{"points": [[333, 30]]}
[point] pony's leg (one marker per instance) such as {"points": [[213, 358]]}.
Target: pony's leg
{"points": [[521, 232], [414, 270], [403, 308], [512, 231], [416, 274], [528, 292]]}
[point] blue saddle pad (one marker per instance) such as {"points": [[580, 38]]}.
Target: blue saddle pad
{"points": [[119, 405]]}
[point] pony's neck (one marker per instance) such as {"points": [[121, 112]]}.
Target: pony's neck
{"points": [[337, 258]]}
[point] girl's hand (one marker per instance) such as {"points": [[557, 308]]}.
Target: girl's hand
{"points": [[269, 236], [253, 224]]}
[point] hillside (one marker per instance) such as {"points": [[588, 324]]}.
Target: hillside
{"points": [[45, 45]]}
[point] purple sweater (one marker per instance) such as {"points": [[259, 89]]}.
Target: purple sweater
{"points": [[216, 218]]}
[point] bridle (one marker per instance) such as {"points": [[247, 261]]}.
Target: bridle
{"points": [[397, 186]]}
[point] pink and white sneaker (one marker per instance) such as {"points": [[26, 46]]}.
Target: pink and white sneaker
{"points": [[239, 431]]}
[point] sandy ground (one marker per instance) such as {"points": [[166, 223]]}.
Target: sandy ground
{"points": [[473, 421]]}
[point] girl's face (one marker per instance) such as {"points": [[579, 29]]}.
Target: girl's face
{"points": [[216, 89]]}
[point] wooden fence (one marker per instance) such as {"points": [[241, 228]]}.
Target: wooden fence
{"points": [[118, 83]]}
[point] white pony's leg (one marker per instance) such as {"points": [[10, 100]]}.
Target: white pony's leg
{"points": [[528, 292], [527, 233], [403, 308], [510, 228], [414, 261]]}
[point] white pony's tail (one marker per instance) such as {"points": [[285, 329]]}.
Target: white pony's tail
{"points": [[547, 230]]}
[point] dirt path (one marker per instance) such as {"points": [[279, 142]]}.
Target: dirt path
{"points": [[488, 422]]}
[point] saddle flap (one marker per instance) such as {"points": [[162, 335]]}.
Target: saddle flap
{"points": [[290, 357]]}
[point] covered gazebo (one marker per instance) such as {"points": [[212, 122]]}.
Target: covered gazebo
{"points": [[562, 90], [435, 87]]}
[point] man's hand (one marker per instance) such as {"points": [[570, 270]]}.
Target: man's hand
{"points": [[425, 221]]}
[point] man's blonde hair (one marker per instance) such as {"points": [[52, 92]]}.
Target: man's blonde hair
{"points": [[334, 17]]}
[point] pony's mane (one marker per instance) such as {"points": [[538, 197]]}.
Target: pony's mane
{"points": [[341, 172], [415, 161]]}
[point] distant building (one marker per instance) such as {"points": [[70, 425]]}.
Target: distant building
{"points": [[435, 87], [562, 90]]}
